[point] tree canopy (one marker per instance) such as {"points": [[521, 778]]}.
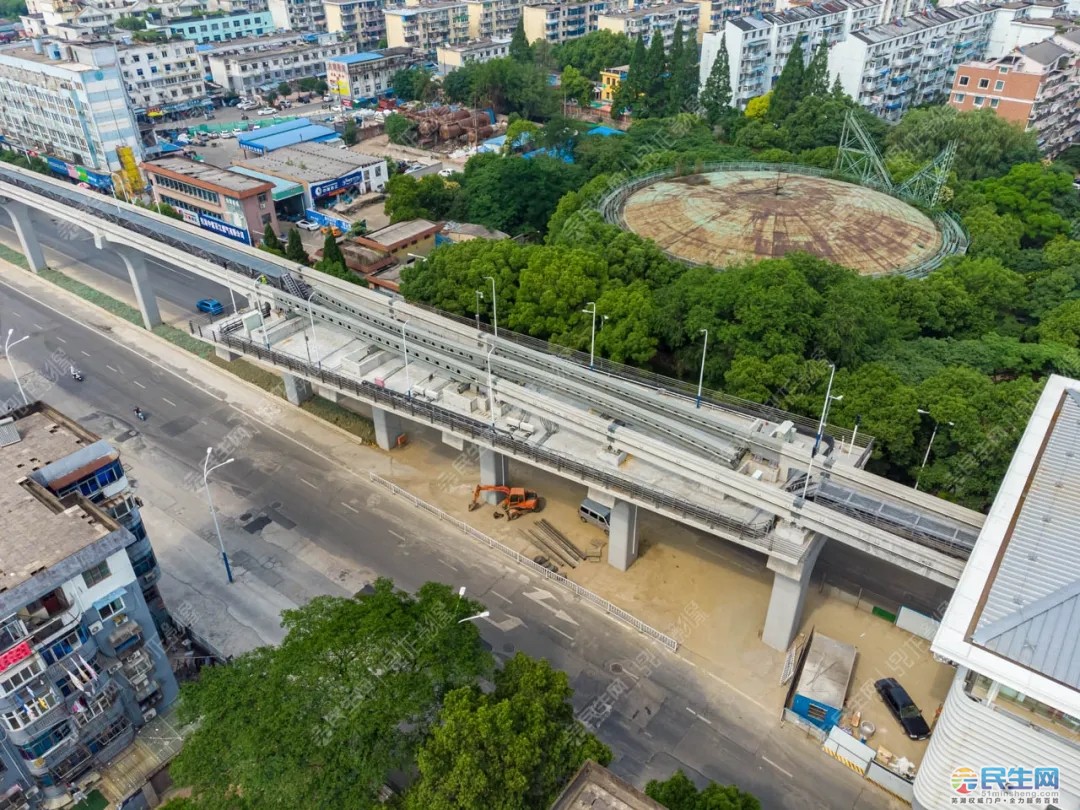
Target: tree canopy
{"points": [[594, 52], [679, 793]]}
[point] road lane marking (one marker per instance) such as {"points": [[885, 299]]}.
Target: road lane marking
{"points": [[16, 313], [110, 368], [61, 339], [400, 537], [38, 325], [561, 633], [788, 774], [169, 401], [139, 384], [350, 508], [496, 593], [87, 354], [309, 483], [448, 565], [702, 718]]}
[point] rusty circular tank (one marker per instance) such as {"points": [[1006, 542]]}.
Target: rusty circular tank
{"points": [[721, 218]]}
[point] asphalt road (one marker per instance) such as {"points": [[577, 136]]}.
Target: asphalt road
{"points": [[665, 713]]}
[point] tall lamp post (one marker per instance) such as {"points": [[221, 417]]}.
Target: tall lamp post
{"points": [[701, 375], [8, 346], [315, 340], [494, 306], [491, 389], [929, 446], [405, 348], [482, 615], [590, 309], [829, 399], [207, 469], [479, 298]]}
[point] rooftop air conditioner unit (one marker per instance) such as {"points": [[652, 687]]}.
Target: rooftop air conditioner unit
{"points": [[95, 628]]}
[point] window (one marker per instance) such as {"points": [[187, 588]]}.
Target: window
{"points": [[993, 103], [983, 83], [963, 81], [815, 712], [111, 609], [22, 677], [95, 709], [999, 85], [145, 565], [959, 97], [29, 712], [46, 742], [99, 573], [109, 735], [1003, 70], [978, 102], [91, 484], [64, 647]]}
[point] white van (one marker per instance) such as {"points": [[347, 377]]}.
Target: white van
{"points": [[595, 513]]}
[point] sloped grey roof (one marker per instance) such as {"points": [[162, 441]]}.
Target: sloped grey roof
{"points": [[1031, 612], [1045, 52]]}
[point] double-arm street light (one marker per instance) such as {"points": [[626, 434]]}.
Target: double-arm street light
{"points": [[590, 309], [207, 469], [829, 399], [701, 375], [8, 346], [929, 446], [494, 306]]}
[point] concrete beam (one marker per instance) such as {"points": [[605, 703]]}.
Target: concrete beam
{"points": [[135, 262], [494, 471], [297, 389], [623, 535], [790, 583], [225, 354], [387, 427], [28, 241]]}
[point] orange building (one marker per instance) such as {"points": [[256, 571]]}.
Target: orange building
{"points": [[1035, 86]]}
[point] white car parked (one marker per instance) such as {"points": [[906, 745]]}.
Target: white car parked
{"points": [[267, 111]]}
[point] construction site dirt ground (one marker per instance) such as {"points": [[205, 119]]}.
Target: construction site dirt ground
{"points": [[678, 567]]}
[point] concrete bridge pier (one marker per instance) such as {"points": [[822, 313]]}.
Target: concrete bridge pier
{"points": [[623, 535], [297, 389], [387, 428], [135, 262], [790, 583], [493, 472], [225, 354], [24, 229]]}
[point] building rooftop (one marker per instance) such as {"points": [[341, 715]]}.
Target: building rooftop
{"points": [[402, 231], [826, 673], [352, 59], [801, 13], [594, 787], [39, 530], [474, 230], [652, 11], [476, 45], [1015, 614], [412, 11], [204, 173], [915, 23], [310, 162], [1045, 52], [26, 53]]}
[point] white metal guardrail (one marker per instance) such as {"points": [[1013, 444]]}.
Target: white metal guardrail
{"points": [[612, 610]]}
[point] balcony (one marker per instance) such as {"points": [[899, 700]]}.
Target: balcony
{"points": [[127, 636]]}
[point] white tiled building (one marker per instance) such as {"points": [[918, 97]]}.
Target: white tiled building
{"points": [[298, 15], [360, 18], [897, 65], [559, 22], [493, 19], [451, 58], [162, 74], [651, 20], [1012, 716], [758, 46], [243, 66], [712, 14], [427, 26]]}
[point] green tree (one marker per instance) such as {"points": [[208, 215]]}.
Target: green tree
{"points": [[789, 88], [1040, 197], [716, 95], [679, 793], [270, 241], [654, 99], [816, 79], [592, 53], [1062, 324], [130, 23], [399, 129], [631, 88], [322, 719], [683, 71], [758, 107], [513, 749], [349, 133], [576, 86], [294, 248], [284, 89], [519, 44], [524, 131], [412, 84], [493, 187]]}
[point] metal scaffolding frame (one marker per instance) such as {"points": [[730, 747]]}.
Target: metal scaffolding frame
{"points": [[859, 158], [926, 184]]}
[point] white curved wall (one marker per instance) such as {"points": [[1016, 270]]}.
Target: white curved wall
{"points": [[971, 734]]}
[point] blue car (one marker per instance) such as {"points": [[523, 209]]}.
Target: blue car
{"points": [[211, 306]]}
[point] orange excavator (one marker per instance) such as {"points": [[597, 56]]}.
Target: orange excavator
{"points": [[516, 500]]}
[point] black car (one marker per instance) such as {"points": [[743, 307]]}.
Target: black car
{"points": [[903, 708]]}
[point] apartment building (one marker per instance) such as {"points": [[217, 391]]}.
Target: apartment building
{"points": [[558, 22], [1009, 730], [229, 204], [651, 21], [82, 666], [1036, 86], [493, 19], [426, 27], [360, 18], [298, 15], [758, 46], [366, 75], [221, 29], [245, 66], [450, 58], [712, 14], [164, 76], [897, 65], [72, 111]]}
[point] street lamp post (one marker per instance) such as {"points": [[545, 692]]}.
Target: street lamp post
{"points": [[405, 348], [592, 339], [217, 527], [482, 615], [929, 446], [8, 346], [491, 390], [479, 298], [829, 398], [315, 340], [701, 374], [494, 306], [854, 433]]}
